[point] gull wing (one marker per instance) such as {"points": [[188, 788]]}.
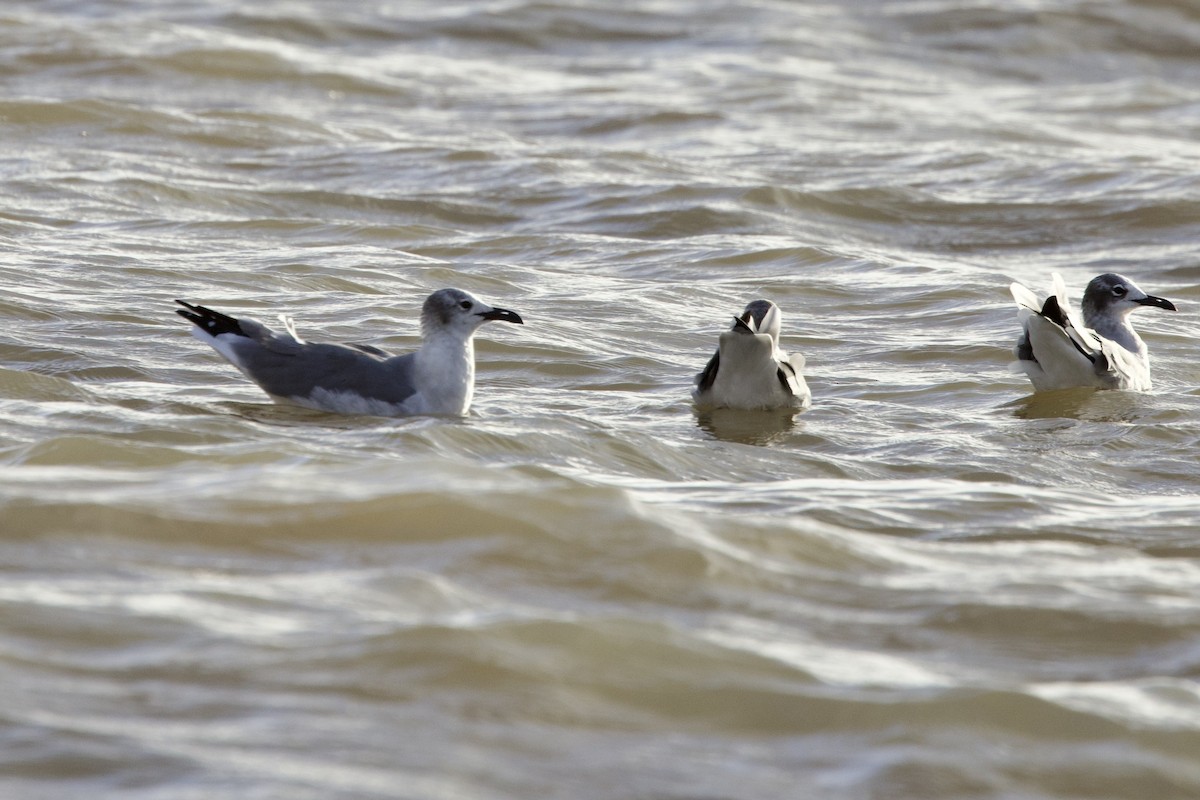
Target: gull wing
{"points": [[370, 349], [708, 376], [788, 378], [283, 365], [1024, 297], [301, 370]]}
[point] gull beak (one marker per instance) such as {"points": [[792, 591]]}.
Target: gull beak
{"points": [[503, 315], [1158, 302]]}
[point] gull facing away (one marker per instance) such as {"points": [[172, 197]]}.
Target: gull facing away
{"points": [[749, 371], [439, 378], [1105, 352]]}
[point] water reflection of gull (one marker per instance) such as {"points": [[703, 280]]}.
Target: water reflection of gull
{"points": [[1081, 404], [748, 427]]}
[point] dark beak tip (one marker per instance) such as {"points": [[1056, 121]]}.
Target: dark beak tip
{"points": [[504, 315], [1158, 302]]}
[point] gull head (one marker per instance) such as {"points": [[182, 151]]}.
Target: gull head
{"points": [[458, 312], [1113, 296], [760, 316]]}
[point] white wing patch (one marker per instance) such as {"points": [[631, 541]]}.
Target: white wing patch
{"points": [[289, 325]]}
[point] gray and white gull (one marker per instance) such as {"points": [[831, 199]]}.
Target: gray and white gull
{"points": [[437, 379], [749, 370], [1104, 352]]}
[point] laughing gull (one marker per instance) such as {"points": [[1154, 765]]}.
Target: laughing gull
{"points": [[439, 378], [749, 371], [1105, 352]]}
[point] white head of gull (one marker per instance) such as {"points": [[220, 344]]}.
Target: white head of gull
{"points": [[439, 378]]}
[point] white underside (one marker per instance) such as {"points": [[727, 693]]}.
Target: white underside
{"points": [[350, 402], [347, 402]]}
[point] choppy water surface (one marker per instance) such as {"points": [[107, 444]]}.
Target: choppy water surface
{"points": [[931, 585]]}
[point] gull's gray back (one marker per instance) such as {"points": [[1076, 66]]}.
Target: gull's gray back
{"points": [[285, 368]]}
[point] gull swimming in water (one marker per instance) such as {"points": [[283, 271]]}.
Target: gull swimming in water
{"points": [[439, 378], [749, 371], [1105, 352]]}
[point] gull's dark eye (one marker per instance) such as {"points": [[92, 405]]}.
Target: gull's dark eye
{"points": [[1119, 291], [465, 305]]}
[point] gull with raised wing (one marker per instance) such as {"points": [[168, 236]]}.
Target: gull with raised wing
{"points": [[1105, 352], [749, 371], [439, 378]]}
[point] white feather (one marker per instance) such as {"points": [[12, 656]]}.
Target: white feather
{"points": [[289, 325]]}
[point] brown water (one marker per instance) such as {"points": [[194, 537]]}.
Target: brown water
{"points": [[931, 585]]}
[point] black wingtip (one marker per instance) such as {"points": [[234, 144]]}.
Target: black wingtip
{"points": [[708, 375], [1025, 349], [1052, 311], [214, 323], [785, 372]]}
